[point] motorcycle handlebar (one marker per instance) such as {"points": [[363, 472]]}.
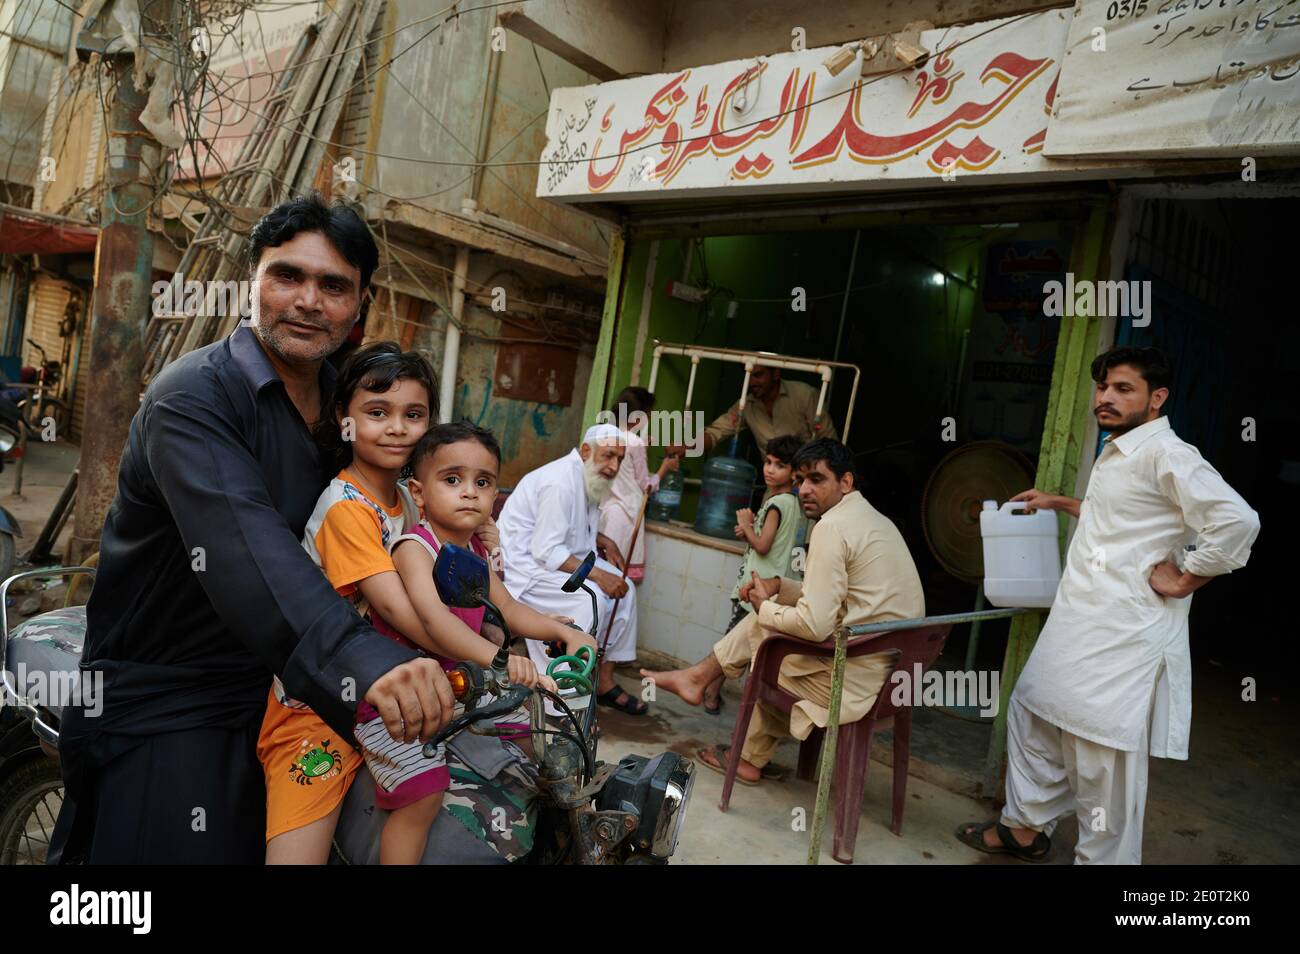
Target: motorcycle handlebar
{"points": [[513, 698]]}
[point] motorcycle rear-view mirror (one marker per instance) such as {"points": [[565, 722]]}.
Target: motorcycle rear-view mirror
{"points": [[579, 576], [461, 577]]}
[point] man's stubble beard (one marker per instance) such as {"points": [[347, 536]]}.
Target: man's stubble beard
{"points": [[1137, 419], [272, 336]]}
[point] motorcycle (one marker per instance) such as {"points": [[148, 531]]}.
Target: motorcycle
{"points": [[11, 433], [586, 811], [44, 403]]}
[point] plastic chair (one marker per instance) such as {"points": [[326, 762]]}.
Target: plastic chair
{"points": [[853, 750], [502, 494]]}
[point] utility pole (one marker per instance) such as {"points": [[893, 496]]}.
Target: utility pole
{"points": [[123, 270]]}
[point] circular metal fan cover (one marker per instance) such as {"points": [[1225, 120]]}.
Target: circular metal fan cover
{"points": [[954, 494]]}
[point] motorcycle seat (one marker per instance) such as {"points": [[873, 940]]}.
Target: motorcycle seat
{"points": [[42, 656], [449, 842]]}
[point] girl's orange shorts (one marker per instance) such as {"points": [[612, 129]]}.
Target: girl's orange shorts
{"points": [[308, 767]]}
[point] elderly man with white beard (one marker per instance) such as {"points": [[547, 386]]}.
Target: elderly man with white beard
{"points": [[548, 525]]}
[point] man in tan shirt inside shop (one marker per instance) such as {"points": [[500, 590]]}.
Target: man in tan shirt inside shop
{"points": [[859, 570], [773, 407]]}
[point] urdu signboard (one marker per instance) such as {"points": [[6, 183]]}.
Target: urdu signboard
{"points": [[978, 107], [1179, 79]]}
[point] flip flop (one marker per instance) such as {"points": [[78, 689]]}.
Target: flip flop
{"points": [[717, 708], [720, 753], [633, 706], [972, 835]]}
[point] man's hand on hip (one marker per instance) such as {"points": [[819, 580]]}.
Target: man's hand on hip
{"points": [[611, 585], [414, 700], [1167, 580]]}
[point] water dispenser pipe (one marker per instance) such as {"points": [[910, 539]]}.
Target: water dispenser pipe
{"points": [[690, 384], [735, 356]]}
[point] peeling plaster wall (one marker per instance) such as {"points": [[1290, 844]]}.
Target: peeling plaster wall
{"points": [[531, 432], [430, 106]]}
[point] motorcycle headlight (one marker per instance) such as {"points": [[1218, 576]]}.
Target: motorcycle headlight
{"points": [[657, 791], [7, 440]]}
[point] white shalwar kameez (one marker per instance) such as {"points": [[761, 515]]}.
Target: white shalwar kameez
{"points": [[546, 519], [1110, 678]]}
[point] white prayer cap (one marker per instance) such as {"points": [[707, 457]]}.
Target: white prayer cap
{"points": [[602, 432]]}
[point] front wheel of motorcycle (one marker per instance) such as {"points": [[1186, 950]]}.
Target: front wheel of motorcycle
{"points": [[30, 799]]}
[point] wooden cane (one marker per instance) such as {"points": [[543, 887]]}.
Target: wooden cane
{"points": [[627, 562]]}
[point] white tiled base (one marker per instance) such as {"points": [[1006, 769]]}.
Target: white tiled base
{"points": [[684, 602]]}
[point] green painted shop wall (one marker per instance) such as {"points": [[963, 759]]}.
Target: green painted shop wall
{"points": [[901, 327]]}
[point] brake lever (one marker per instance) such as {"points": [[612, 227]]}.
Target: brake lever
{"points": [[509, 702]]}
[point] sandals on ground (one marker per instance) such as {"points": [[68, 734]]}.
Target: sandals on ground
{"points": [[630, 705], [972, 834]]}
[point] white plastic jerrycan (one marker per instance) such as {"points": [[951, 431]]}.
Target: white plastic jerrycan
{"points": [[1022, 562]]}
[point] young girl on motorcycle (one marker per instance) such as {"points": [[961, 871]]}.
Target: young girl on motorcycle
{"points": [[381, 409]]}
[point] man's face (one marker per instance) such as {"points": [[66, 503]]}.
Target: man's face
{"points": [[819, 489], [764, 382], [306, 297], [600, 463], [1123, 400], [603, 458]]}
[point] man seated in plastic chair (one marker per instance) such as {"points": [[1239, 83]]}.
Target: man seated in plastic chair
{"points": [[858, 570]]}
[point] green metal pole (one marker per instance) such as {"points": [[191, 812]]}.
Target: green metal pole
{"points": [[1058, 459], [826, 771], [609, 321]]}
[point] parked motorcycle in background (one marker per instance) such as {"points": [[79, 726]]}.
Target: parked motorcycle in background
{"points": [[11, 432]]}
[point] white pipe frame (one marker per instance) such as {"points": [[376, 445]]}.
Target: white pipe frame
{"points": [[824, 369]]}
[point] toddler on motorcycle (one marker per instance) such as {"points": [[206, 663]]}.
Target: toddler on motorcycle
{"points": [[454, 483]]}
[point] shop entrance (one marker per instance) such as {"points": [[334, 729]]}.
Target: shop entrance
{"points": [[946, 321], [1217, 284]]}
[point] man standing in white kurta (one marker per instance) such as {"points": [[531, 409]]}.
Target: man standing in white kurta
{"points": [[1110, 678], [548, 525]]}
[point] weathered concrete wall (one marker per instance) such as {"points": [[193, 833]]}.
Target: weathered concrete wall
{"points": [[531, 432], [429, 106], [613, 38], [33, 43], [714, 31]]}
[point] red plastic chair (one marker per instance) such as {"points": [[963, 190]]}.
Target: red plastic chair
{"points": [[502, 494], [853, 750]]}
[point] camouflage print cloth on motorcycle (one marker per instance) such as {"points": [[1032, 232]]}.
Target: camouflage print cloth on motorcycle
{"points": [[47, 646], [64, 629], [501, 811]]}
